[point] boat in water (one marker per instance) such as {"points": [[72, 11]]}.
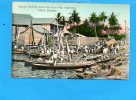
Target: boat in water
{"points": [[64, 65]]}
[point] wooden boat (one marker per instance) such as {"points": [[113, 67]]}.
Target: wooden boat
{"points": [[39, 55], [28, 62], [93, 57], [18, 60], [66, 65], [104, 61], [19, 52]]}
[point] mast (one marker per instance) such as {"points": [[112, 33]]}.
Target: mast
{"points": [[44, 42], [33, 43], [17, 29], [58, 36]]}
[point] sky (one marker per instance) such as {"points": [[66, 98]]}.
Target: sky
{"points": [[50, 10]]}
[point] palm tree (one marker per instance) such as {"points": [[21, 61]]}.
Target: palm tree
{"points": [[63, 21], [86, 22], [74, 18], [58, 18], [94, 21], [114, 26], [70, 21], [103, 17]]}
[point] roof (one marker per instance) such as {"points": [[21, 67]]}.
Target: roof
{"points": [[44, 21], [111, 42], [21, 19], [65, 30], [26, 19], [41, 30]]}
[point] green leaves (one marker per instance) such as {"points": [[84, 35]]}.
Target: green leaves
{"points": [[93, 25], [113, 21], [114, 26], [74, 18], [60, 19], [103, 17], [94, 19]]}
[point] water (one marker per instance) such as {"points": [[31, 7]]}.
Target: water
{"points": [[20, 56], [19, 70]]}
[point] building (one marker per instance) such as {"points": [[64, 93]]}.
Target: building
{"points": [[28, 30]]}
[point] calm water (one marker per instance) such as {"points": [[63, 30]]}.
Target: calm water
{"points": [[21, 71]]}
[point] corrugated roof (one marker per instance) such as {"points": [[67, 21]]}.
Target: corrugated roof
{"points": [[39, 21], [21, 19], [26, 19], [41, 30], [44, 21]]}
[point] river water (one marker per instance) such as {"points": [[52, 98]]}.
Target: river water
{"points": [[19, 70]]}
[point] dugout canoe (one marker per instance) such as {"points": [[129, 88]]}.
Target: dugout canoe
{"points": [[39, 55], [18, 60], [19, 52], [66, 65]]}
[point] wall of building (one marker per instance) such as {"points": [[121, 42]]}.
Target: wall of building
{"points": [[24, 37]]}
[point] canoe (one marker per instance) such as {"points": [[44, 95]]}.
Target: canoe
{"points": [[19, 52], [28, 62], [39, 55], [18, 60], [104, 61], [93, 57], [66, 65]]}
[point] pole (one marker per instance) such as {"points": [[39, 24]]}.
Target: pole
{"points": [[17, 36], [44, 42], [33, 43], [58, 36]]}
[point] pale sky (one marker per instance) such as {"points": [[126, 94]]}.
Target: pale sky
{"points": [[50, 10]]}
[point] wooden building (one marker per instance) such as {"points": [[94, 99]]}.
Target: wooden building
{"points": [[28, 30]]}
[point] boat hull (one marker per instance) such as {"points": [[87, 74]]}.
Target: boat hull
{"points": [[68, 65]]}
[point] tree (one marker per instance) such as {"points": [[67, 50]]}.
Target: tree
{"points": [[74, 19], [86, 22], [83, 29], [70, 21], [114, 26], [63, 21], [94, 20], [58, 18], [103, 17]]}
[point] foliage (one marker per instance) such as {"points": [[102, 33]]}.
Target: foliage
{"points": [[114, 26], [83, 29], [58, 18], [74, 19], [94, 25], [119, 36], [103, 66]]}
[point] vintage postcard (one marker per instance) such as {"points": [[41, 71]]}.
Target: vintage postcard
{"points": [[70, 40]]}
